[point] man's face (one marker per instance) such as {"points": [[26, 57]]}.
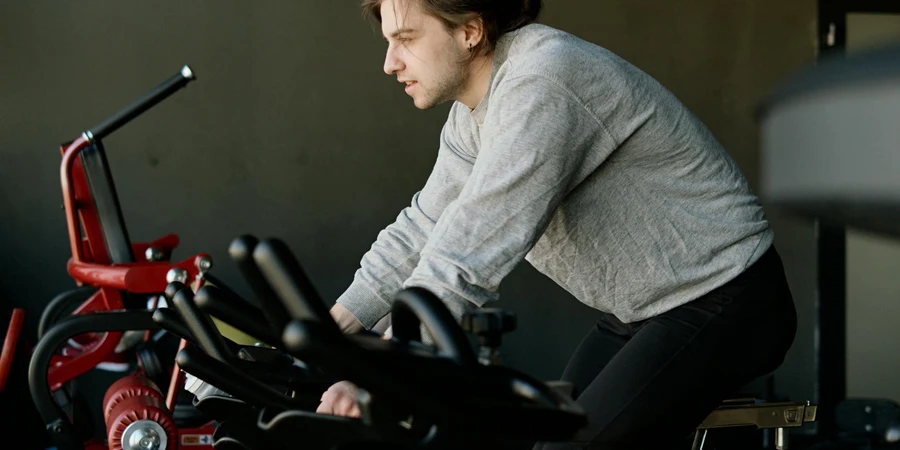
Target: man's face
{"points": [[428, 59]]}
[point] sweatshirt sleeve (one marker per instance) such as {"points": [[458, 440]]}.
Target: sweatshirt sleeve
{"points": [[535, 137], [395, 253]]}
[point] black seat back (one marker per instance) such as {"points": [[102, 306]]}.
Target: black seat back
{"points": [[106, 203]]}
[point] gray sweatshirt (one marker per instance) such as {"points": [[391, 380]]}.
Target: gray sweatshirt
{"points": [[584, 166]]}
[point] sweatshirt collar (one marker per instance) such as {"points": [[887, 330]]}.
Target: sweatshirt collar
{"points": [[501, 54]]}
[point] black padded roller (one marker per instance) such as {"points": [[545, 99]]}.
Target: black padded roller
{"points": [[168, 319], [172, 288], [241, 251], [201, 326], [231, 380], [290, 283], [236, 312]]}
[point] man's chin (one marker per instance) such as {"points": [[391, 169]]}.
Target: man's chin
{"points": [[423, 105], [427, 104]]}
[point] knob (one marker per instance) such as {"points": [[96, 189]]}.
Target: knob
{"points": [[488, 321], [204, 263], [177, 274], [154, 254], [488, 325]]}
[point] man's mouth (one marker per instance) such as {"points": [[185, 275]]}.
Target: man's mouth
{"points": [[410, 84]]}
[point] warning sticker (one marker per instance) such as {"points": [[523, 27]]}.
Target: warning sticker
{"points": [[196, 439]]}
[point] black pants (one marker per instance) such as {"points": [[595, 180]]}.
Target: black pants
{"points": [[648, 385]]}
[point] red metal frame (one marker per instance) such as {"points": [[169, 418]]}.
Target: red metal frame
{"points": [[176, 380], [90, 265], [90, 262], [9, 344]]}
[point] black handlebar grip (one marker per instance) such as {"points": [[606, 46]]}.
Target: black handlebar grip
{"points": [[338, 356], [201, 326], [169, 320], [290, 283], [236, 312], [145, 102], [172, 288], [231, 380], [241, 251], [416, 306]]}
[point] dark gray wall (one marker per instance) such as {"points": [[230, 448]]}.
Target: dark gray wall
{"points": [[292, 130]]}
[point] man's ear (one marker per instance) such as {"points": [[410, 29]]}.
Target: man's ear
{"points": [[474, 31]]}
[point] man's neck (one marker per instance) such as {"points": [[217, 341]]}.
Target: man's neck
{"points": [[479, 81]]}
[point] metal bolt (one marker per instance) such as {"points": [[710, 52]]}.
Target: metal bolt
{"points": [[177, 274], [144, 435], [781, 439], [145, 439], [153, 254], [868, 409], [204, 263], [869, 427]]}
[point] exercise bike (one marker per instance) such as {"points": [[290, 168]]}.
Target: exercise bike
{"points": [[106, 319]]}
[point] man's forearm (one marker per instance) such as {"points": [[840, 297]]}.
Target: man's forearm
{"points": [[345, 320]]}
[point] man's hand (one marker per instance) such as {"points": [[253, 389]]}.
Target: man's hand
{"points": [[340, 400], [345, 320]]}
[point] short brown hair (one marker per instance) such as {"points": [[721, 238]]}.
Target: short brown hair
{"points": [[498, 16]]}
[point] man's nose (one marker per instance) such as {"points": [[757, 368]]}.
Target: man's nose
{"points": [[392, 63]]}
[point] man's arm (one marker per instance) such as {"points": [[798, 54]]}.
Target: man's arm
{"points": [[539, 142], [346, 322], [395, 253]]}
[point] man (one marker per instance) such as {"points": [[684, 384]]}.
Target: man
{"points": [[561, 153]]}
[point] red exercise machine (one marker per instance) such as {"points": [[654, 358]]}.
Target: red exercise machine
{"points": [[120, 283]]}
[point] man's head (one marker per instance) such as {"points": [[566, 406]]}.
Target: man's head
{"points": [[439, 47]]}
